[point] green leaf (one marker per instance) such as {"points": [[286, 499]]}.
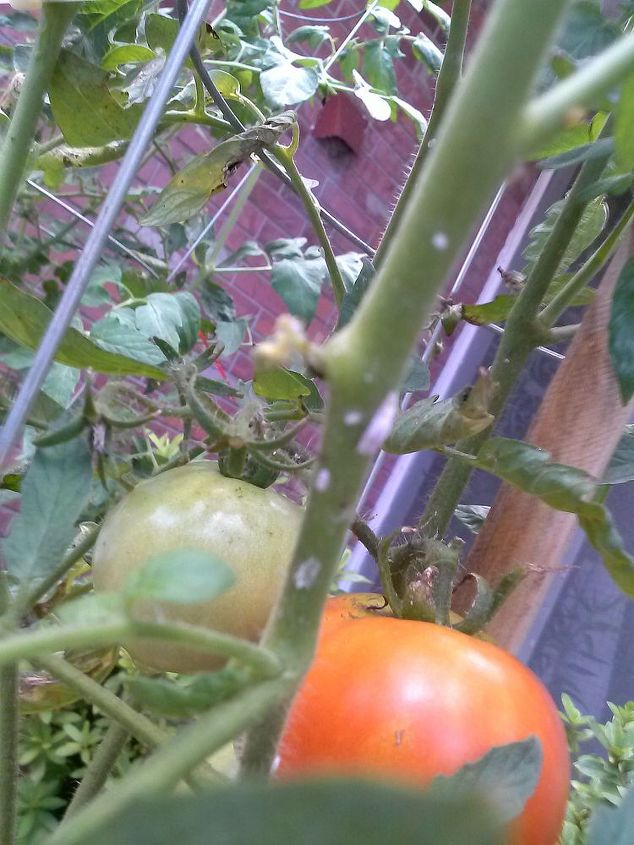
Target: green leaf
{"points": [[231, 334], [472, 516], [298, 281], [564, 488], [620, 470], [83, 106], [96, 293], [313, 4], [586, 30], [495, 311], [613, 826], [117, 333], [416, 375], [190, 189], [426, 52], [172, 317], [621, 331], [285, 84], [336, 812], [430, 423], [125, 54], [54, 492], [227, 84], [587, 152], [506, 777], [624, 126], [181, 700], [592, 223], [218, 304], [313, 35], [182, 576], [280, 383], [378, 67], [24, 318], [572, 137], [355, 293]]}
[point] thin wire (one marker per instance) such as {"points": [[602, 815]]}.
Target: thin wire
{"points": [[211, 223], [350, 35], [76, 213], [98, 237], [321, 20], [543, 349]]}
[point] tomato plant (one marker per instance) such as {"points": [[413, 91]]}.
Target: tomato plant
{"points": [[410, 700], [194, 506], [133, 372]]}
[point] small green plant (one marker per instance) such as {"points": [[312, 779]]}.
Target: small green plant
{"points": [[604, 778]]}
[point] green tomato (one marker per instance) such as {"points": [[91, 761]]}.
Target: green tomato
{"points": [[252, 530]]}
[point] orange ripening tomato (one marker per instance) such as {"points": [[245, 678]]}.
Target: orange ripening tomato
{"points": [[411, 700]]}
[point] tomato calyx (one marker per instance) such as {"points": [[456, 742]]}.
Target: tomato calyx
{"points": [[420, 575]]}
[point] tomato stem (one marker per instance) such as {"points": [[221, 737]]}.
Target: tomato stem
{"points": [[364, 360], [18, 140]]}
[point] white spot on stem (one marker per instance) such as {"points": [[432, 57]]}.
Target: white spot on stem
{"points": [[440, 241], [306, 573], [352, 417], [379, 426], [322, 480]]}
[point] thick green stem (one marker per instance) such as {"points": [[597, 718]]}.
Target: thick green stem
{"points": [[54, 20], [448, 77], [165, 768], [548, 113], [587, 272], [364, 360], [522, 334], [50, 639], [9, 724], [313, 211], [100, 767], [111, 705]]}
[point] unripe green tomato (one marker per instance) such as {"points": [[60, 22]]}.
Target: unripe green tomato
{"points": [[195, 507]]}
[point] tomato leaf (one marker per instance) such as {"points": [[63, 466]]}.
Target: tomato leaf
{"points": [[505, 777], [190, 695], [495, 311], [564, 488], [590, 226], [298, 281], [416, 375], [24, 318], [431, 423], [172, 317], [621, 331], [426, 52], [54, 492], [336, 812], [123, 54], [576, 155], [355, 292], [182, 575], [280, 383], [117, 333], [620, 470], [285, 84], [472, 516], [192, 187], [613, 825], [83, 106]]}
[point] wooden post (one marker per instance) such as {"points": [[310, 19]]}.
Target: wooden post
{"points": [[579, 422]]}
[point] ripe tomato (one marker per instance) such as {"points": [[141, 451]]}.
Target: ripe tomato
{"points": [[194, 506], [411, 700]]}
